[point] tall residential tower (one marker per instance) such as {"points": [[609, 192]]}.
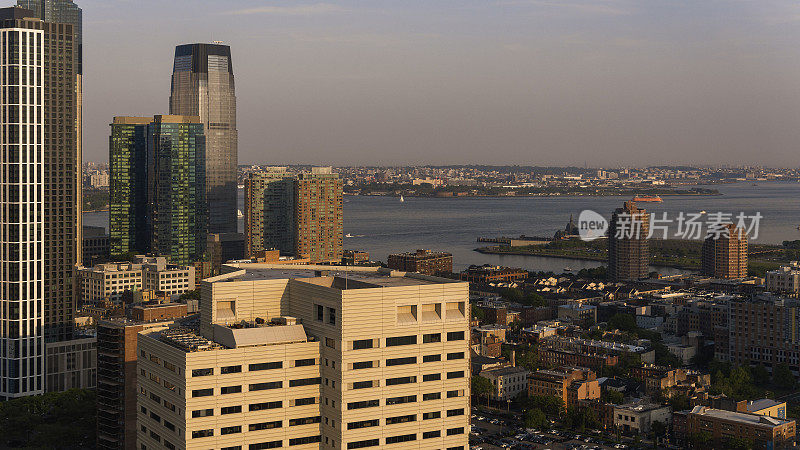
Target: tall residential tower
{"points": [[628, 249], [202, 85]]}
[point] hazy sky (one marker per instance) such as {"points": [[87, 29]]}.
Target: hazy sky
{"points": [[544, 82]]}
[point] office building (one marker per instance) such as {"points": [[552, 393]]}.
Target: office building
{"points": [[203, 85], [318, 216], [128, 233], [628, 250], [268, 211], [116, 382], [95, 245], [71, 364], [422, 261], [724, 254], [303, 359], [570, 384], [765, 330], [763, 431], [108, 281], [785, 279], [157, 195]]}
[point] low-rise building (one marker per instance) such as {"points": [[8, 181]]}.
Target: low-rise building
{"points": [[110, 280], [570, 384], [639, 417], [355, 257], [763, 431], [577, 312], [422, 261], [493, 274], [784, 279], [507, 382], [554, 358]]}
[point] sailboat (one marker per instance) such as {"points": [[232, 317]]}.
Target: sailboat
{"points": [[402, 199]]}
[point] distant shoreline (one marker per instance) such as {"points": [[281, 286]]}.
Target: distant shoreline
{"points": [[490, 251], [626, 194]]}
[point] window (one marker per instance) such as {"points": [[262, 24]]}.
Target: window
{"points": [[362, 384], [400, 380], [456, 374], [432, 377], [363, 444], [362, 404], [305, 401], [170, 386], [431, 396], [305, 440], [400, 400], [202, 433], [456, 355], [169, 366], [363, 424], [266, 385], [330, 343], [265, 425], [202, 392], [401, 361], [431, 415], [401, 438], [362, 344], [230, 369], [454, 431], [265, 445], [203, 412], [401, 340], [265, 405], [235, 447], [155, 417], [455, 412], [455, 336], [155, 436], [169, 445], [304, 382], [305, 362], [431, 434], [456, 393], [230, 430], [230, 390], [155, 359], [231, 409], [320, 312], [401, 419], [431, 358], [155, 398], [265, 366], [362, 365], [168, 425], [332, 316], [202, 372], [304, 421], [434, 337]]}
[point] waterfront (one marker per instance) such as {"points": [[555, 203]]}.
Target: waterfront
{"points": [[381, 225]]}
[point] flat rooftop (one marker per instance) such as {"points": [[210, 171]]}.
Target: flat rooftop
{"points": [[734, 416]]}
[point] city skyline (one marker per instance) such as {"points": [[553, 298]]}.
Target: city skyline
{"points": [[602, 83]]}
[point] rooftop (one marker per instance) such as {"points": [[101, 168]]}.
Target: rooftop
{"points": [[734, 416], [508, 370], [764, 403]]}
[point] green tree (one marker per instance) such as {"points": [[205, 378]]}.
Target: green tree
{"points": [[580, 418], [783, 377], [481, 387], [624, 322], [513, 295], [760, 374], [612, 396], [700, 440], [551, 405], [739, 443], [536, 419], [534, 299], [659, 428], [64, 420], [679, 402]]}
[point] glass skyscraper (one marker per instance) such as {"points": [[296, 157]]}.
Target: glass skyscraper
{"points": [[203, 85], [157, 189]]}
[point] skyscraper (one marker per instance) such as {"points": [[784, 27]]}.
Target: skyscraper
{"points": [[203, 85], [268, 213], [157, 195], [628, 250], [127, 159], [724, 253], [318, 215]]}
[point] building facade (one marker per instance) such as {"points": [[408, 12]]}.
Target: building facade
{"points": [[507, 382], [785, 279], [628, 249], [422, 261], [763, 431], [318, 225], [570, 384], [381, 359], [110, 280], [203, 85], [268, 216], [724, 253], [765, 331], [127, 155]]}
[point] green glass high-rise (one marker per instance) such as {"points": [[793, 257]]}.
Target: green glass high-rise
{"points": [[158, 187]]}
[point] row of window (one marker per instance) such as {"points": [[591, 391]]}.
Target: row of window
{"points": [[207, 392], [363, 344], [198, 434], [403, 399], [407, 438], [205, 372], [406, 380], [254, 407], [403, 419]]}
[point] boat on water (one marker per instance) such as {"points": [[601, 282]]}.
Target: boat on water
{"points": [[401, 198], [647, 198], [348, 235], [568, 269], [239, 213]]}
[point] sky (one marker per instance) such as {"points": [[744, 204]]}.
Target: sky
{"points": [[602, 83]]}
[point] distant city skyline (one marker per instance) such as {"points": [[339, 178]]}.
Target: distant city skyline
{"points": [[601, 83]]}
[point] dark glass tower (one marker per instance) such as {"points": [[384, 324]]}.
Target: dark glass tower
{"points": [[127, 159], [203, 85]]}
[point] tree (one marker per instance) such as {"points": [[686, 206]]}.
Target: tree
{"points": [[659, 428], [513, 295], [534, 299], [536, 419], [64, 420], [783, 377], [679, 402], [700, 440], [549, 404], [481, 387], [760, 374], [612, 396], [624, 322], [580, 418]]}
